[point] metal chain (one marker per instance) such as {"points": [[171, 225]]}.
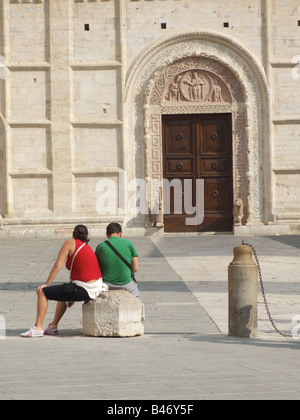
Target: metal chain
{"points": [[264, 293]]}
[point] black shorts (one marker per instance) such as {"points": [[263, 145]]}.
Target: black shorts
{"points": [[67, 292]]}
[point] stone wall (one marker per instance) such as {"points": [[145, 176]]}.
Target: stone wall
{"points": [[76, 82]]}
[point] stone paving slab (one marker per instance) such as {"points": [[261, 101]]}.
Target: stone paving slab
{"points": [[185, 353]]}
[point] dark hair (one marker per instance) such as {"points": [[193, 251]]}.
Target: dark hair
{"points": [[113, 228], [80, 232]]}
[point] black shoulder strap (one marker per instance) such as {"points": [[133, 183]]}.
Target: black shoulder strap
{"points": [[118, 254]]}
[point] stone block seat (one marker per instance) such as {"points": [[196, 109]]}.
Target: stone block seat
{"points": [[115, 313]]}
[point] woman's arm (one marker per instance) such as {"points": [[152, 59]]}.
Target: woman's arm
{"points": [[66, 250]]}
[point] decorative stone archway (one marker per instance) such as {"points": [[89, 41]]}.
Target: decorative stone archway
{"points": [[230, 80]]}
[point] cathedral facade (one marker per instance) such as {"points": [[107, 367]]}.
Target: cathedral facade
{"points": [[163, 115]]}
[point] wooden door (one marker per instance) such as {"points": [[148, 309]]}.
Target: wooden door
{"points": [[199, 147]]}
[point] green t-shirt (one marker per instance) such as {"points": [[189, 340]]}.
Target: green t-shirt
{"points": [[112, 268]]}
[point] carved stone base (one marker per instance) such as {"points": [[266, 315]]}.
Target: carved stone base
{"points": [[116, 313]]}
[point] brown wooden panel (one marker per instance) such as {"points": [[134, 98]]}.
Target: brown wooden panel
{"points": [[214, 136], [213, 222], [199, 147], [217, 166], [180, 138], [217, 196], [178, 167]]}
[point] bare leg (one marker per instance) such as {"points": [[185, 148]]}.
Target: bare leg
{"points": [[61, 308], [42, 307]]}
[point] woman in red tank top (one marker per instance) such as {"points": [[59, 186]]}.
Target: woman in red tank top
{"points": [[85, 267], [85, 281]]}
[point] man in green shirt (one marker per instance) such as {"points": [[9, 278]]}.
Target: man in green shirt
{"points": [[116, 273]]}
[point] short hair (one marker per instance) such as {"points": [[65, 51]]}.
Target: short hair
{"points": [[81, 232], [113, 228]]}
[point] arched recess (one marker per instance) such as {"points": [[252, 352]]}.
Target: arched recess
{"points": [[153, 82]]}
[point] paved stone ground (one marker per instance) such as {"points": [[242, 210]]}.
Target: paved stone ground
{"points": [[203, 265], [185, 353]]}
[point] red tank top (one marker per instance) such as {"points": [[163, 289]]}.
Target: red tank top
{"points": [[85, 266]]}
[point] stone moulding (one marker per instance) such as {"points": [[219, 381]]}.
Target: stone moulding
{"points": [[26, 1], [234, 67]]}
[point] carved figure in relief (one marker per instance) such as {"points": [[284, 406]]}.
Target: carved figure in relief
{"points": [[217, 93], [195, 83], [194, 86], [174, 91], [160, 217], [238, 212]]}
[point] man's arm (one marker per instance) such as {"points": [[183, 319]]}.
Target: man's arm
{"points": [[135, 264]]}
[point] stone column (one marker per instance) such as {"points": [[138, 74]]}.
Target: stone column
{"points": [[249, 173], [242, 293], [60, 56]]}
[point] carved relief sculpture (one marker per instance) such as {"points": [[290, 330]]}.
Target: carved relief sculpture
{"points": [[238, 212], [196, 86]]}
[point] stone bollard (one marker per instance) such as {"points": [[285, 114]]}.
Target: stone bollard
{"points": [[115, 313], [242, 293]]}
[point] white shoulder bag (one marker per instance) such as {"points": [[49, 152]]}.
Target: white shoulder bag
{"points": [[69, 304], [75, 256]]}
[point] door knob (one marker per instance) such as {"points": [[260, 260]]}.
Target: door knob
{"points": [[179, 137], [215, 194]]}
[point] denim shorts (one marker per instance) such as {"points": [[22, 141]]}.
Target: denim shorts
{"points": [[66, 292]]}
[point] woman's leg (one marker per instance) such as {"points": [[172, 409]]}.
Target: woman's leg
{"points": [[66, 292], [42, 304], [42, 307], [61, 308]]}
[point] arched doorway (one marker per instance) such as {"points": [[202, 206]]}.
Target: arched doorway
{"points": [[230, 82]]}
